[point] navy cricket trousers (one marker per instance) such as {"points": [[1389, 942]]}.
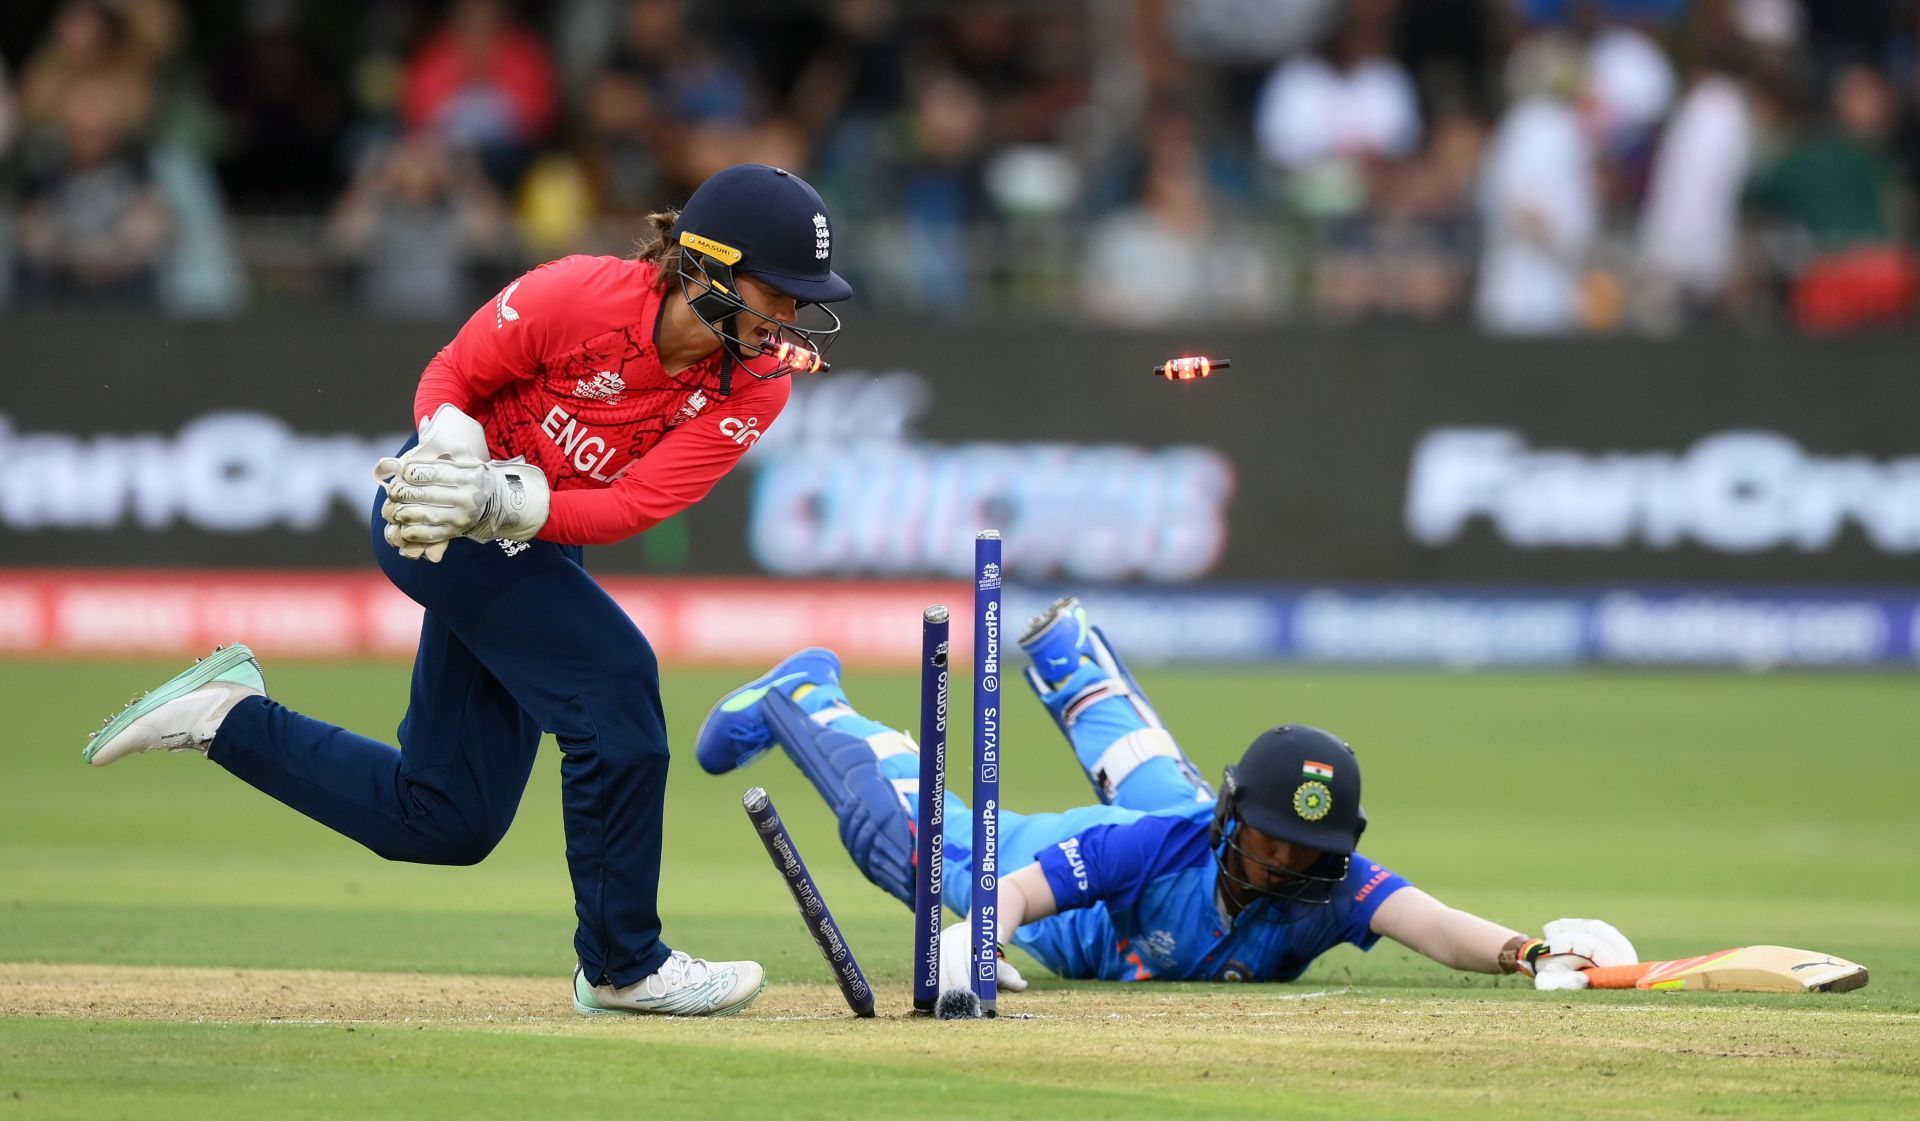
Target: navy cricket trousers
{"points": [[514, 643]]}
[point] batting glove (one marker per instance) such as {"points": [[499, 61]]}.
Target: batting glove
{"points": [[956, 962], [1577, 944]]}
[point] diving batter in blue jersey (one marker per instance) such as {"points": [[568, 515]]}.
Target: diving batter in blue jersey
{"points": [[1165, 879]]}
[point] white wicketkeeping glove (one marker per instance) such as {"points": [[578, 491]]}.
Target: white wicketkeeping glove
{"points": [[447, 434], [447, 487], [956, 962], [1577, 944]]}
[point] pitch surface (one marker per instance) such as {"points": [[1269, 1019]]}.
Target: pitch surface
{"points": [[174, 944]]}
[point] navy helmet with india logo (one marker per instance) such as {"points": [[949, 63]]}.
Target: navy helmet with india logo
{"points": [[770, 224], [1300, 785]]}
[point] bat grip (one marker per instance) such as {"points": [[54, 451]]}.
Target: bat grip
{"points": [[1618, 976]]}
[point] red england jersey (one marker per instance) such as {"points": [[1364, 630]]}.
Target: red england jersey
{"points": [[562, 367]]}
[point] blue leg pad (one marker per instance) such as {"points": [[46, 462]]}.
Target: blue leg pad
{"points": [[875, 823], [1117, 736]]}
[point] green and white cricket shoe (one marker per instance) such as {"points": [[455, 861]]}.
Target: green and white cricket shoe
{"points": [[682, 986], [183, 714]]}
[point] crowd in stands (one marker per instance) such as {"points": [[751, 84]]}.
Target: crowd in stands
{"points": [[1533, 166]]}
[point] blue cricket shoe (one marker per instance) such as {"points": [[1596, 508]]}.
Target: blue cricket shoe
{"points": [[735, 731], [1056, 640]]}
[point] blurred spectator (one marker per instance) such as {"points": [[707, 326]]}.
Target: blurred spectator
{"points": [[1841, 191], [1448, 49], [699, 77], [1628, 87], [7, 114], [1540, 208], [976, 146], [846, 96], [1689, 231], [92, 226], [286, 114], [1565, 13], [1328, 120], [1225, 161], [1839, 184], [482, 82], [937, 194], [1767, 25], [668, 97], [1212, 30], [1411, 258], [92, 43], [1170, 257], [416, 220], [1848, 32], [7, 119], [993, 48]]}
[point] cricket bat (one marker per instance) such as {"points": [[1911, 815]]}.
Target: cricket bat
{"points": [[1743, 969]]}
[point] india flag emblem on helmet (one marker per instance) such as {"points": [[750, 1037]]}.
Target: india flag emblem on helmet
{"points": [[1311, 769]]}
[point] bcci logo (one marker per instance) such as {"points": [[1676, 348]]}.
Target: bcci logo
{"points": [[1312, 800]]}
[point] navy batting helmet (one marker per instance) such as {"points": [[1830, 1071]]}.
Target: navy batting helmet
{"points": [[1300, 785]]}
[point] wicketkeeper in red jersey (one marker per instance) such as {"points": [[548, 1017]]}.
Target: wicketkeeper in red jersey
{"points": [[591, 399]]}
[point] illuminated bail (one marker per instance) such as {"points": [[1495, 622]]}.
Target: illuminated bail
{"points": [[799, 359], [1190, 367]]}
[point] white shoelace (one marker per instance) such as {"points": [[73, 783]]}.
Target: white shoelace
{"points": [[680, 970]]}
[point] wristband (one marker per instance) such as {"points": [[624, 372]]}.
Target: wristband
{"points": [[1519, 954]]}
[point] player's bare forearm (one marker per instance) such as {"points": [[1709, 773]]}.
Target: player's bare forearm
{"points": [[1025, 897], [1454, 938]]}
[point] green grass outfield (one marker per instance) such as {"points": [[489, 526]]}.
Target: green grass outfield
{"points": [[173, 944]]}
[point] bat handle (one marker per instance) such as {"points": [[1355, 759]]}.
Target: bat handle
{"points": [[1618, 976]]}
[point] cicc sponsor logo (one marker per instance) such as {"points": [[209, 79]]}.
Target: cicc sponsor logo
{"points": [[742, 432], [1741, 491]]}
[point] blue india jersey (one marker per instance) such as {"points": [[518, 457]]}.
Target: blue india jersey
{"points": [[1138, 899]]}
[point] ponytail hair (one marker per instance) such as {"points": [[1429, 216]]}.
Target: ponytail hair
{"points": [[657, 247]]}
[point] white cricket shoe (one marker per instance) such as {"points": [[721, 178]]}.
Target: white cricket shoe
{"points": [[682, 986], [183, 714]]}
